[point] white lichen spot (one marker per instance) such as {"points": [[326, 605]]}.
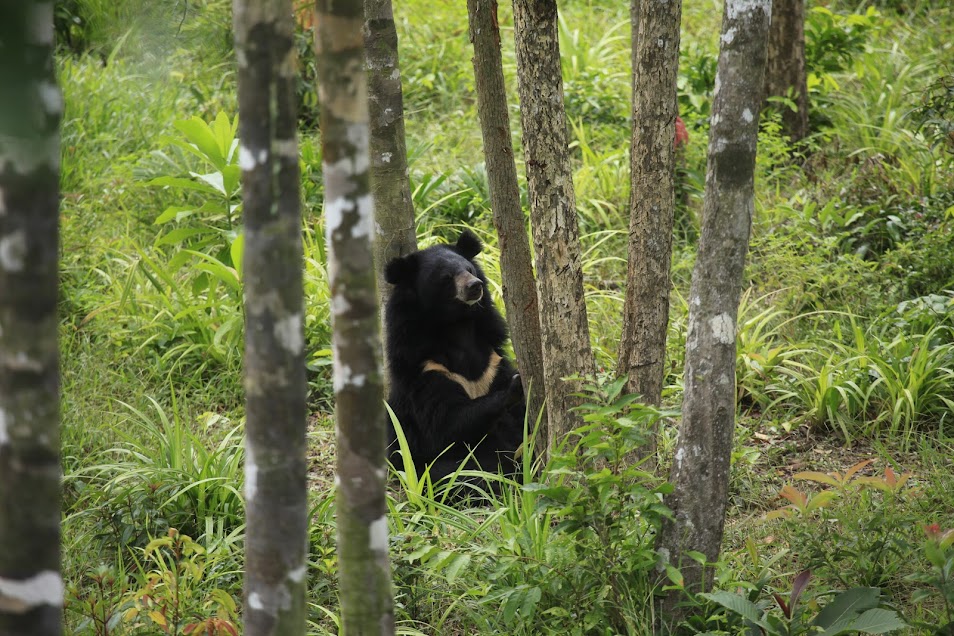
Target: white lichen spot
{"points": [[728, 36], [386, 157], [396, 74], [246, 158], [337, 481], [680, 455], [661, 43], [288, 332], [663, 559], [20, 596], [365, 214], [339, 304], [4, 435], [262, 156], [13, 250], [3, 203], [255, 602], [342, 375], [747, 116], [723, 379], [380, 473], [51, 97], [251, 475], [735, 8], [297, 575], [334, 213], [378, 534], [723, 329], [287, 148], [41, 23]]}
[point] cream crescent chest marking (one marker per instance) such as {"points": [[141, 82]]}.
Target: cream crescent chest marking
{"points": [[474, 388]]}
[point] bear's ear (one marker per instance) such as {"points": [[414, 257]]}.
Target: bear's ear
{"points": [[401, 270], [468, 245]]}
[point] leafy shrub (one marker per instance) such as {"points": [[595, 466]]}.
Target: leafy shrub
{"points": [[865, 540], [177, 595], [937, 580], [162, 475], [833, 40], [854, 610]]}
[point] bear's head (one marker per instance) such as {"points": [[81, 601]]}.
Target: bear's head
{"points": [[444, 279]]}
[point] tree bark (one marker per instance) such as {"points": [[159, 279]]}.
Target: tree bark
{"points": [[393, 209], [516, 268], [785, 68], [31, 588], [642, 352], [564, 332], [275, 465], [700, 473], [365, 586]]}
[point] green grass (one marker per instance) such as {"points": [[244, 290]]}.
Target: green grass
{"points": [[845, 344]]}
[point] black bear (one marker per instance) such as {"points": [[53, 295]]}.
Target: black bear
{"points": [[452, 389]]}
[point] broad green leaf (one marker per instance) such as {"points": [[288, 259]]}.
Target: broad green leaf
{"points": [[224, 132], [180, 235], [173, 213], [236, 251], [455, 567], [214, 179], [230, 179], [199, 134], [846, 605], [735, 603], [878, 621]]}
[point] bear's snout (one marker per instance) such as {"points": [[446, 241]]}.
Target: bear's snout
{"points": [[470, 289]]}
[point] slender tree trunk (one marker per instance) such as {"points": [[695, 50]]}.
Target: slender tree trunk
{"points": [[564, 332], [275, 467], [393, 210], [31, 589], [642, 352], [785, 70], [634, 13], [700, 473], [365, 587], [516, 268]]}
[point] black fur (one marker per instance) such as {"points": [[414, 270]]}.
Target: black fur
{"points": [[426, 320]]}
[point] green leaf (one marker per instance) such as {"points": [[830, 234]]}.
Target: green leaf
{"points": [[199, 134], [236, 251], [180, 235], [455, 567], [173, 213], [878, 621], [224, 132], [184, 184], [214, 179], [844, 607], [230, 179], [735, 603]]}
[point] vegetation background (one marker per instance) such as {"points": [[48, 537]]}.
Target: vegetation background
{"points": [[845, 343]]}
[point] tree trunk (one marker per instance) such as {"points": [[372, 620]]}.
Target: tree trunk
{"points": [[700, 473], [275, 466], [393, 210], [785, 68], [564, 332], [365, 586], [634, 13], [516, 268], [31, 589], [642, 352]]}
